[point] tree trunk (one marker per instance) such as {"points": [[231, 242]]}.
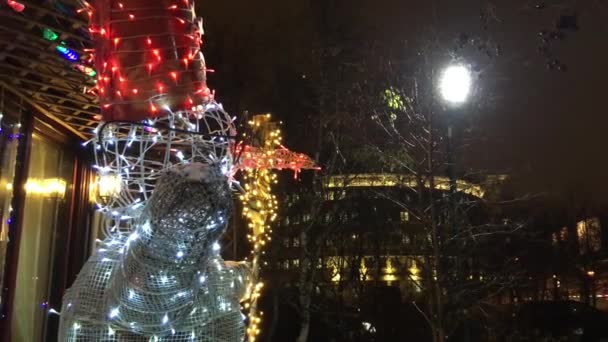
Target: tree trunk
{"points": [[305, 286], [438, 333], [275, 316]]}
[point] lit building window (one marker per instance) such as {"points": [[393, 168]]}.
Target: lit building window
{"points": [[296, 242], [414, 273], [563, 234], [560, 236], [389, 271], [343, 217], [589, 235], [405, 216]]}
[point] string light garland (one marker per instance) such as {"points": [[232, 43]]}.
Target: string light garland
{"points": [[86, 70], [139, 152], [259, 203], [259, 208], [67, 53], [147, 55], [49, 34]]}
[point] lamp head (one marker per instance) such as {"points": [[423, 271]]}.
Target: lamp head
{"points": [[455, 84]]}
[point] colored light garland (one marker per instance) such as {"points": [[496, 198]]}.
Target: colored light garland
{"points": [[67, 53], [16, 6], [86, 70], [49, 34]]}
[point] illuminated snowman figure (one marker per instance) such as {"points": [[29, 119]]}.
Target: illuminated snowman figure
{"points": [[166, 150], [158, 276]]}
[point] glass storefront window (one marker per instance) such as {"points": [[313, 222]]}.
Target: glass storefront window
{"points": [[9, 141], [43, 240]]}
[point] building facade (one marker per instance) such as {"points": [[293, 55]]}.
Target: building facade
{"points": [[365, 241]]}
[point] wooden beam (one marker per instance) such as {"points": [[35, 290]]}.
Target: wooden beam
{"points": [[33, 38], [41, 74], [64, 67], [22, 18], [75, 109], [23, 108], [42, 110], [49, 85], [91, 104], [74, 21]]}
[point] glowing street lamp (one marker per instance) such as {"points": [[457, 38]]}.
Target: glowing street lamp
{"points": [[455, 84], [454, 87]]}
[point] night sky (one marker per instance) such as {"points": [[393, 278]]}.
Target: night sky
{"points": [[545, 125]]}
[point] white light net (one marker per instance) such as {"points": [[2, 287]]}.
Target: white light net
{"points": [[165, 281], [135, 154]]}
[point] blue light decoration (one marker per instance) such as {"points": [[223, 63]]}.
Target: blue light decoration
{"points": [[67, 53]]}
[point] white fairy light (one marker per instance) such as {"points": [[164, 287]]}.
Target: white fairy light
{"points": [[146, 227], [114, 312]]}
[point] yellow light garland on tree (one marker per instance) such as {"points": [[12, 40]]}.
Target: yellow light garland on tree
{"points": [[259, 208], [259, 203]]}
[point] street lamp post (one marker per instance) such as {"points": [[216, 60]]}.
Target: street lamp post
{"points": [[454, 86]]}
